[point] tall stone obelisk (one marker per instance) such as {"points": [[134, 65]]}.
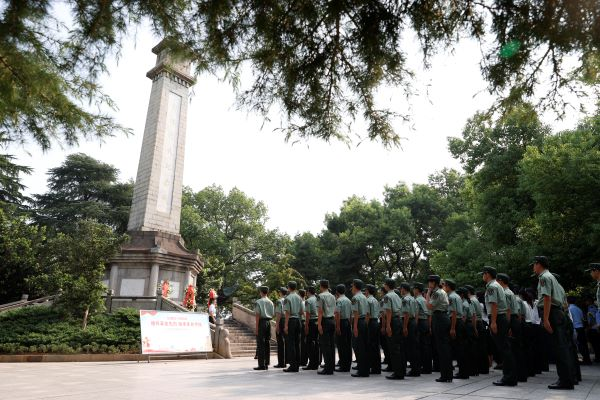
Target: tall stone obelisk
{"points": [[156, 251]]}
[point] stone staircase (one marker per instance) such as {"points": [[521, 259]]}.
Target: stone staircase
{"points": [[242, 340]]}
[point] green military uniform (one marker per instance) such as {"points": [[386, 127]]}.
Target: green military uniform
{"points": [[312, 339], [360, 307], [280, 334], [424, 330], [516, 338], [411, 340], [326, 303], [264, 309], [549, 286], [440, 323], [393, 303], [292, 306], [344, 339], [457, 344], [470, 329], [494, 294], [480, 360], [374, 350]]}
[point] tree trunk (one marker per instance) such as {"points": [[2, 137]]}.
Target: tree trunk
{"points": [[85, 317]]}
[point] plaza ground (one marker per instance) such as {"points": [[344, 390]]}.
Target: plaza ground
{"points": [[235, 379]]}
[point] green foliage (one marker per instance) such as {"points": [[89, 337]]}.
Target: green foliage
{"points": [[322, 62], [229, 230], [48, 330], [75, 264], [20, 246], [84, 188]]}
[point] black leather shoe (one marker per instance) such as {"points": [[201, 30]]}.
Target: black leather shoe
{"points": [[324, 373], [457, 376], [443, 380], [290, 370], [503, 383], [309, 368], [261, 368], [341, 370], [561, 386], [394, 377], [278, 366]]}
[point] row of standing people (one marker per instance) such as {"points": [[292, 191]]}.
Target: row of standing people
{"points": [[426, 329]]}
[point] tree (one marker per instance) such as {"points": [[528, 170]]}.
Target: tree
{"points": [[20, 246], [562, 177], [11, 187], [75, 264], [321, 61], [229, 230], [84, 188]]}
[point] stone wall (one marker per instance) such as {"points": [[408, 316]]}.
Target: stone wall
{"points": [[247, 317]]}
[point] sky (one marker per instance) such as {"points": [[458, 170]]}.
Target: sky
{"points": [[299, 182]]}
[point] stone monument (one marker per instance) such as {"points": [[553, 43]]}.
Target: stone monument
{"points": [[156, 251]]}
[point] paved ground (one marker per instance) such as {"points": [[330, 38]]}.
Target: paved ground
{"points": [[234, 379]]}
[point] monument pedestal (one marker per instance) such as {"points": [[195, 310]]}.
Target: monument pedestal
{"points": [[149, 258]]}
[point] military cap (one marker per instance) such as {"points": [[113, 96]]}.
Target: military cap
{"points": [[489, 270], [593, 267], [341, 288], [371, 288], [542, 260], [434, 278], [324, 283], [283, 290], [264, 289], [419, 286], [292, 285], [390, 283], [358, 284], [503, 277], [405, 285], [469, 288], [451, 283]]}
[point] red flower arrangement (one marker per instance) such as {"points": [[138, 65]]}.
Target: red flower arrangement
{"points": [[189, 301]]}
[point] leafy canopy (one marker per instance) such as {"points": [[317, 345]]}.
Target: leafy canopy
{"points": [[320, 61]]}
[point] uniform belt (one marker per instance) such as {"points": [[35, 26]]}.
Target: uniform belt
{"points": [[294, 317], [327, 318]]}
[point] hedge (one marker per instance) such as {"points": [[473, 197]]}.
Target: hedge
{"points": [[47, 330]]}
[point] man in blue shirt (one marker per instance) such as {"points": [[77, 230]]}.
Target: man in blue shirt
{"points": [[578, 323]]}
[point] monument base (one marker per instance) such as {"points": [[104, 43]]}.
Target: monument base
{"points": [[149, 258]]}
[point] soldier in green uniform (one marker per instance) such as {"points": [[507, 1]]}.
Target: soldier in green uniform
{"points": [[470, 331], [424, 329], [373, 349], [343, 312], [311, 330], [292, 306], [495, 300], [480, 362], [392, 304], [513, 315], [279, 325], [303, 354], [360, 329], [409, 329], [550, 306], [326, 327], [457, 328], [437, 302], [264, 310]]}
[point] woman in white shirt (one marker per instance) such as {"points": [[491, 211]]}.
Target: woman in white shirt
{"points": [[212, 311]]}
